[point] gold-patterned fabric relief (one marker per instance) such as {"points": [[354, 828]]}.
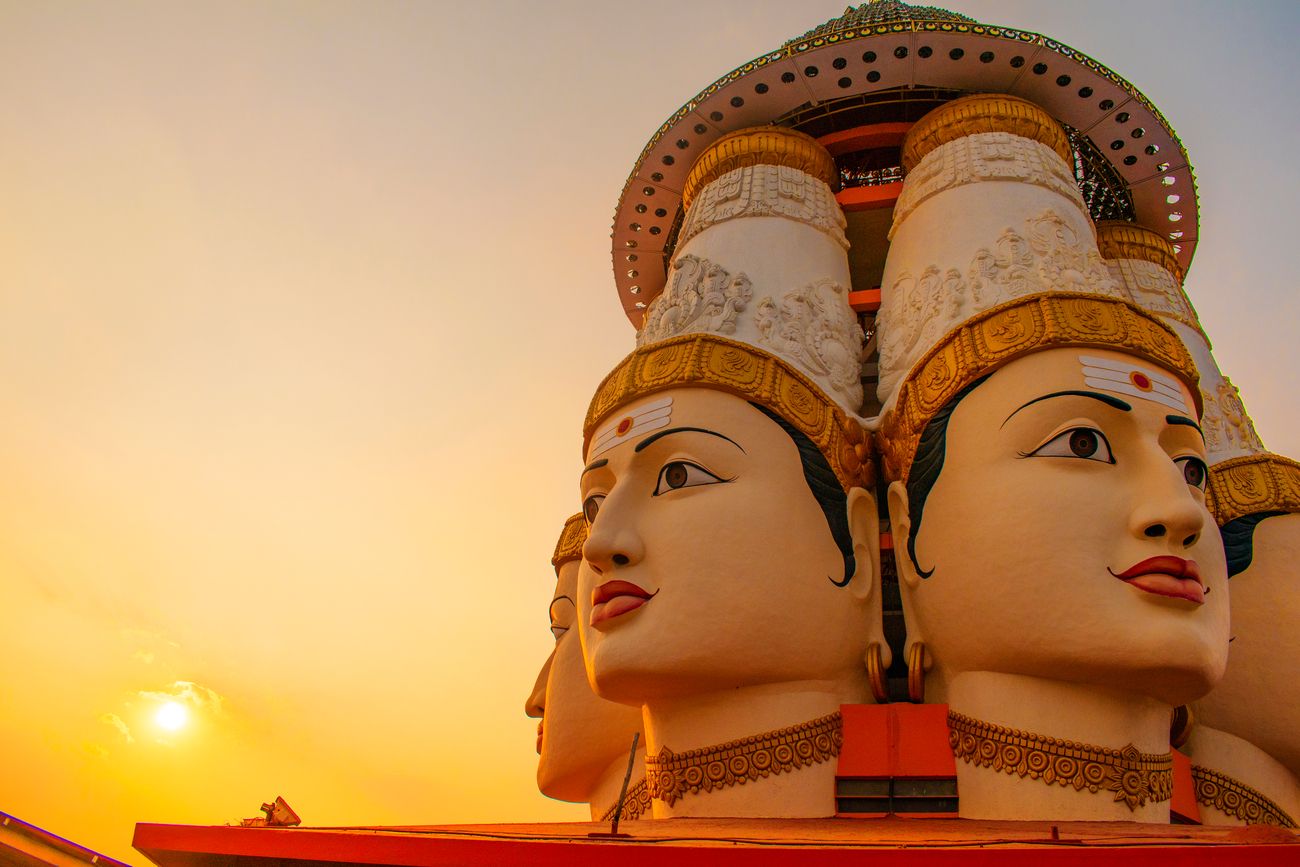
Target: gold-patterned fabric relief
{"points": [[702, 360], [1012, 330], [1253, 484]]}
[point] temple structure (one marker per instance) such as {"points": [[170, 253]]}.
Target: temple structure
{"points": [[910, 521]]}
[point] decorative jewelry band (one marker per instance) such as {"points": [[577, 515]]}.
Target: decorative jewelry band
{"points": [[760, 146], [1133, 776], [572, 538], [672, 776], [1009, 331], [748, 373], [1238, 800], [635, 805], [1252, 484], [990, 112]]}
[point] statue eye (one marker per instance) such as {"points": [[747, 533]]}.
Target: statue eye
{"points": [[682, 474], [1079, 442], [557, 631], [591, 507], [1194, 471]]}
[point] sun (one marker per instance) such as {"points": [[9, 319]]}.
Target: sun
{"points": [[172, 716]]}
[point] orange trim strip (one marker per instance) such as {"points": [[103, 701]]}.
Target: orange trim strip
{"points": [[869, 198]]}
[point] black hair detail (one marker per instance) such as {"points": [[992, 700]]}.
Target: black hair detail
{"points": [[926, 466], [826, 490], [1239, 540]]}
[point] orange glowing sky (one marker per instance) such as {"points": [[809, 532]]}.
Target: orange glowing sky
{"points": [[301, 304]]}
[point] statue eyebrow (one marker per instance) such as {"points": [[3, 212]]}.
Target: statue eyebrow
{"points": [[1104, 398], [594, 465], [672, 430], [1184, 420]]}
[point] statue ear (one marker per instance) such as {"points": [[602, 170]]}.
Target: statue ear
{"points": [[900, 528], [864, 529]]}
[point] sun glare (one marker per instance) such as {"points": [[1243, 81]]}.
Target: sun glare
{"points": [[171, 716]]}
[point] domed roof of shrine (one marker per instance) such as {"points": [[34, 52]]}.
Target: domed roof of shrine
{"points": [[883, 12], [886, 55]]}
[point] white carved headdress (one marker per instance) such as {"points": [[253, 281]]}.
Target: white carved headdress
{"points": [[762, 259], [989, 213]]}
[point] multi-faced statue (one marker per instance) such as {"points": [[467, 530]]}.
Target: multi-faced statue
{"points": [[730, 578], [1240, 737], [1243, 746], [1062, 582], [583, 741]]}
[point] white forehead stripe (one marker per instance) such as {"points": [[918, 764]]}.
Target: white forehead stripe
{"points": [[1133, 380], [648, 417]]}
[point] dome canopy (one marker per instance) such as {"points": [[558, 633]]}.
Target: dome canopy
{"points": [[882, 12], [1130, 163]]}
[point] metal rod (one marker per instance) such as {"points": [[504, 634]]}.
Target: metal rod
{"points": [[622, 793]]}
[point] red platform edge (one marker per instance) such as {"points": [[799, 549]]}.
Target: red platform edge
{"points": [[222, 846]]}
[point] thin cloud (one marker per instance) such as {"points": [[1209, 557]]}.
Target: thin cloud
{"points": [[196, 695], [116, 722]]}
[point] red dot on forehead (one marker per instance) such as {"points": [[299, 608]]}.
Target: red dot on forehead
{"points": [[1141, 380], [624, 426]]}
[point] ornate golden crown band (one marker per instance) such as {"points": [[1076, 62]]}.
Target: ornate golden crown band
{"points": [[739, 369], [760, 146], [1252, 484], [572, 537], [674, 775], [1009, 331], [986, 112], [1134, 777], [1117, 239]]}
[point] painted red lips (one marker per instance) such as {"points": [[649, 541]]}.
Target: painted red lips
{"points": [[616, 598], [1166, 576]]}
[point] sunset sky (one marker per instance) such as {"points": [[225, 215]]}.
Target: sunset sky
{"points": [[301, 304]]}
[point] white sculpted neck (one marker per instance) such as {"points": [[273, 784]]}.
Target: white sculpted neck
{"points": [[1246, 764], [605, 794], [1083, 713], [711, 719]]}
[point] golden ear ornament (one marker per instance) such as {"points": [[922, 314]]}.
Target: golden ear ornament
{"points": [[1253, 484], [1234, 798], [703, 360], [673, 776], [985, 112], [876, 673], [1134, 777], [916, 672], [760, 146], [572, 538], [1009, 331]]}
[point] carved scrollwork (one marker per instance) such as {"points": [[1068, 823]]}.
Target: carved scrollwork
{"points": [[701, 296], [572, 538], [1046, 255], [815, 326], [766, 191], [986, 156]]}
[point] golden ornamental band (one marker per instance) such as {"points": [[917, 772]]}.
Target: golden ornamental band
{"points": [[748, 373], [983, 113], [1009, 331], [760, 146], [1252, 484]]}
